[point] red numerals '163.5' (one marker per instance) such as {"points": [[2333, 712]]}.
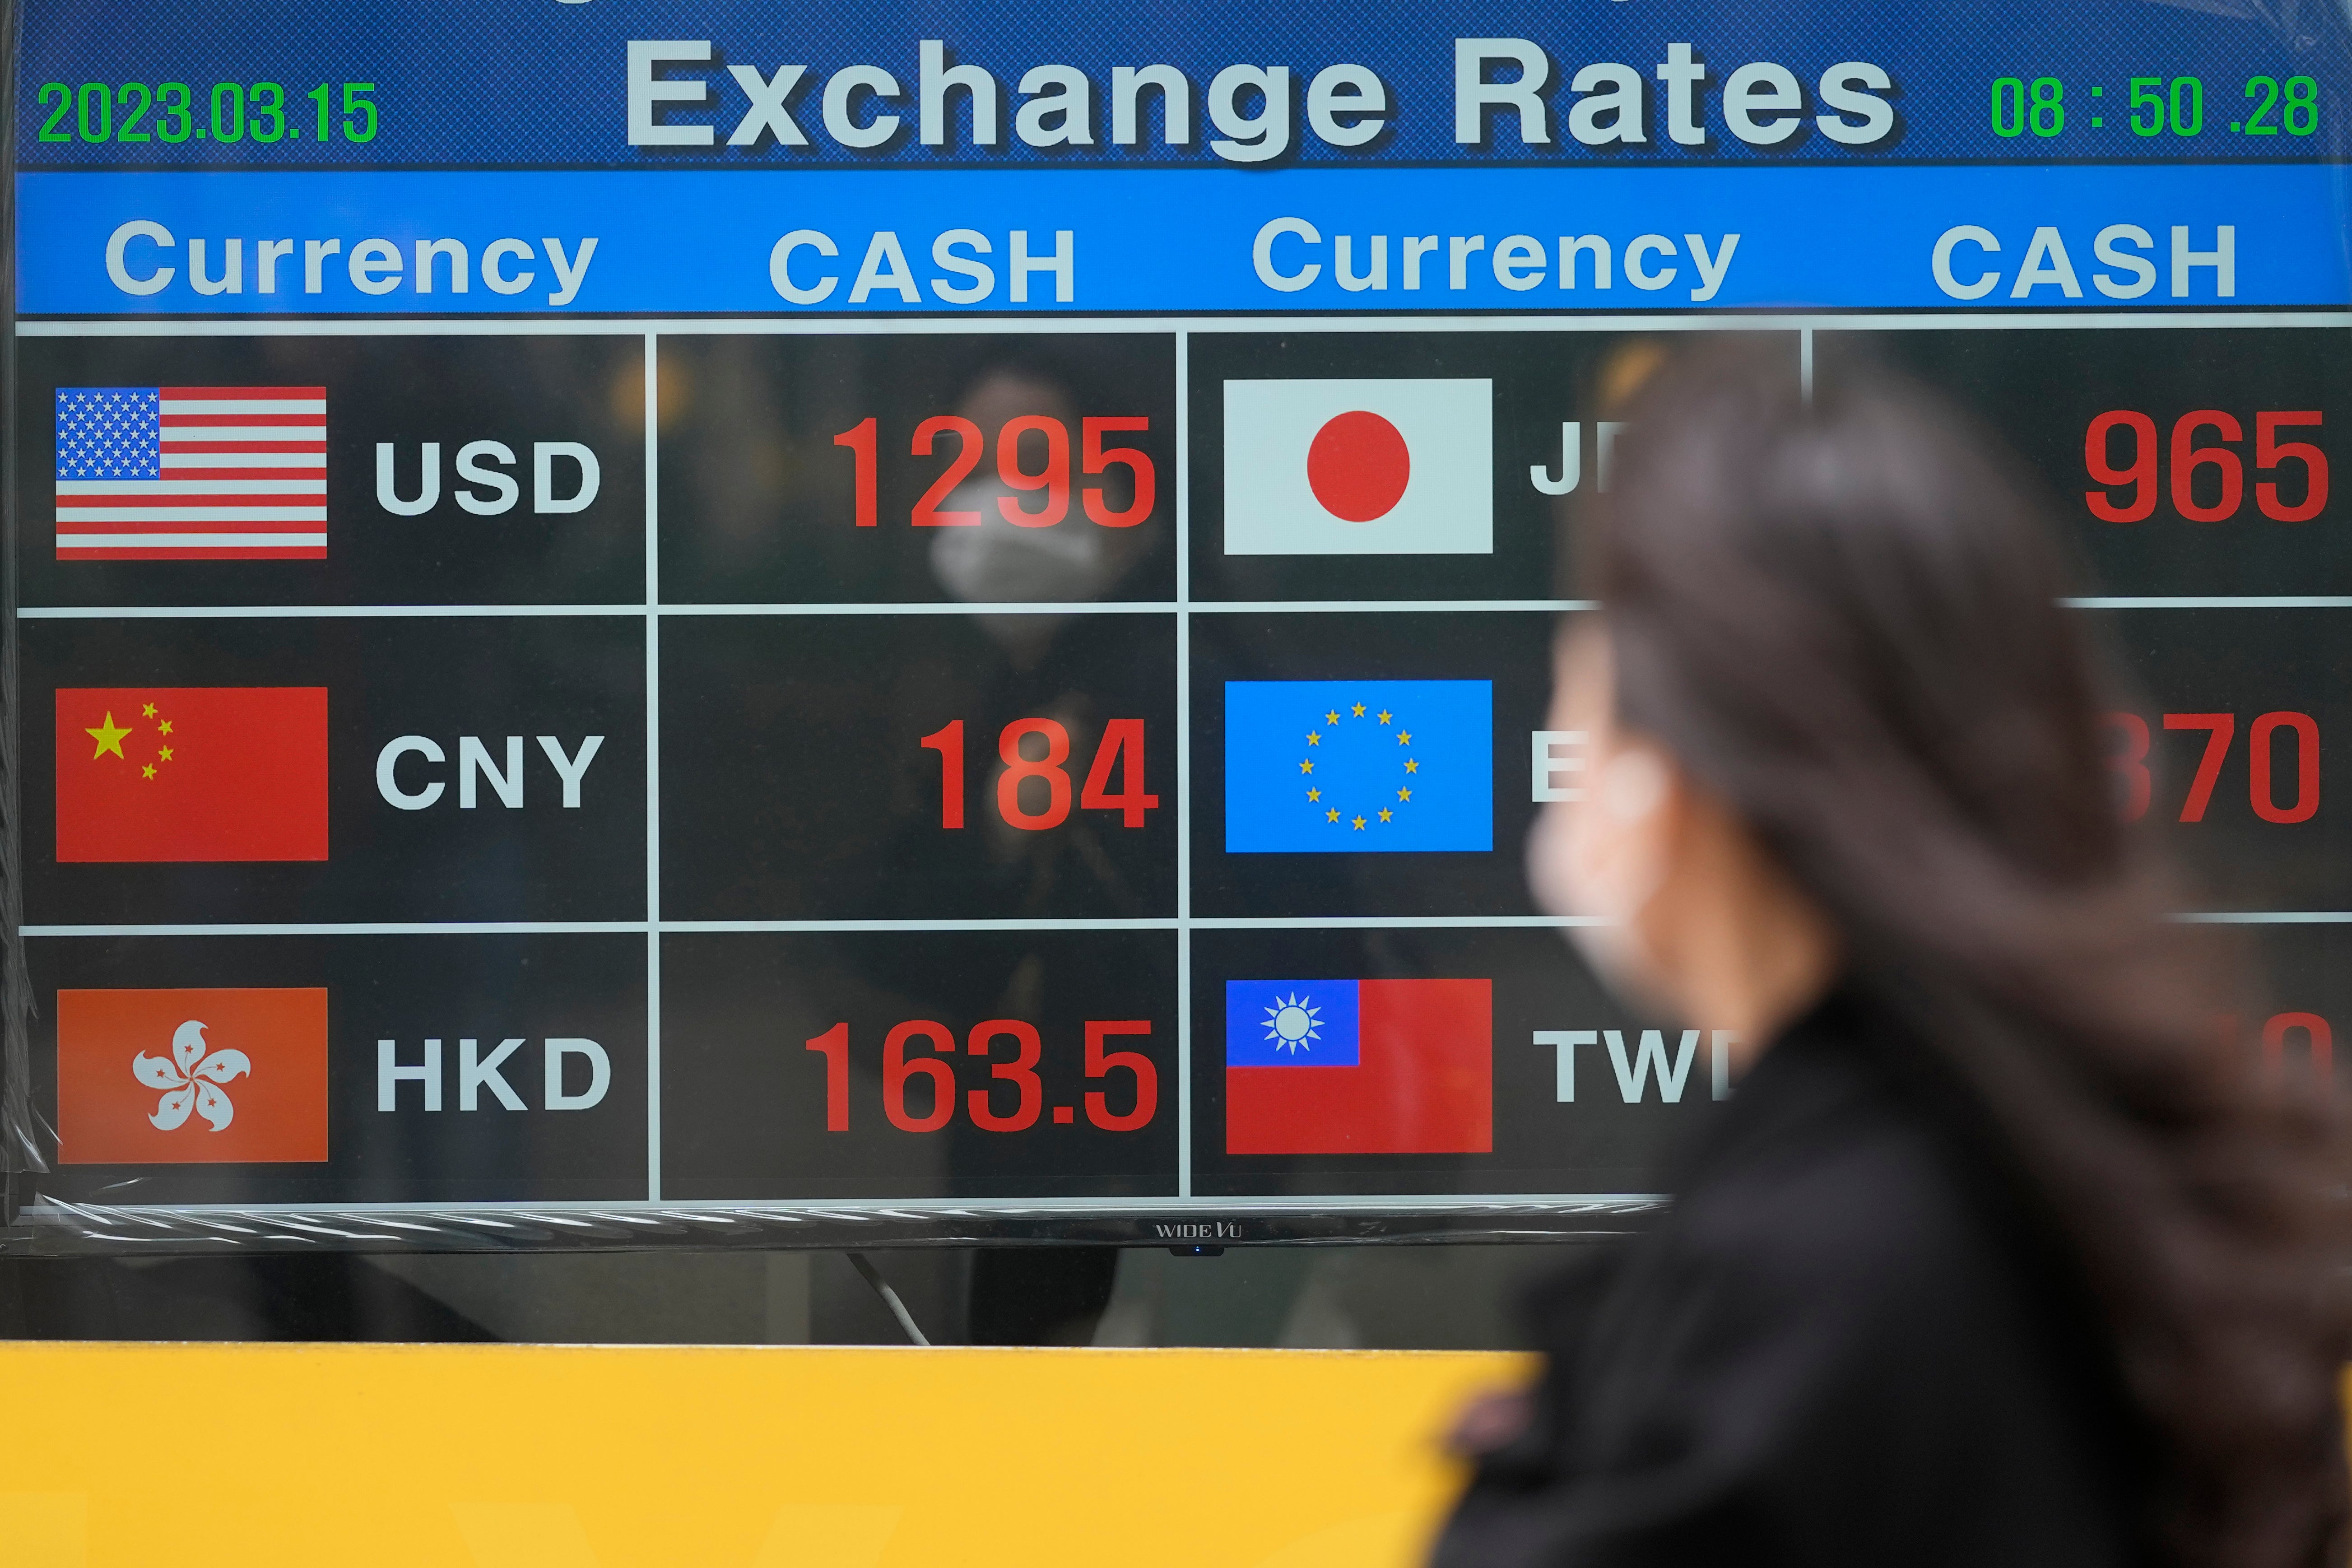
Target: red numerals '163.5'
{"points": [[933, 1107]]}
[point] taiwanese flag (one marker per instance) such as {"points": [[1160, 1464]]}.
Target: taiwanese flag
{"points": [[1359, 1066], [192, 772], [192, 1075]]}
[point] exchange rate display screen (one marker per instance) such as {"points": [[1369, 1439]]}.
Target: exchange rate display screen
{"points": [[706, 623]]}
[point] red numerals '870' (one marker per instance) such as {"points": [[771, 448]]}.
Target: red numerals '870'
{"points": [[937, 1101], [1036, 437], [1122, 739], [2185, 460], [2264, 776]]}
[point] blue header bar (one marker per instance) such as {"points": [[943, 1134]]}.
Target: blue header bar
{"points": [[879, 243]]}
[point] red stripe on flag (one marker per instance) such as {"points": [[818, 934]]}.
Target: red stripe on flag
{"points": [[235, 421], [204, 552], [312, 500], [259, 527], [282, 471], [255, 446]]}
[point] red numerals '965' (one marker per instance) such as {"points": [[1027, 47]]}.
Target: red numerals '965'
{"points": [[2266, 779], [1033, 751], [1033, 456], [2185, 459], [1015, 1095]]}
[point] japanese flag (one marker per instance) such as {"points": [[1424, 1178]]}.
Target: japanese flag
{"points": [[1360, 468]]}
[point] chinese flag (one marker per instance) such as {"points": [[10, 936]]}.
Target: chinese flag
{"points": [[193, 1076], [192, 772]]}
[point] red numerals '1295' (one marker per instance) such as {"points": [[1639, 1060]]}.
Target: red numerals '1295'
{"points": [[2187, 459], [1033, 456], [1121, 750], [936, 1100]]}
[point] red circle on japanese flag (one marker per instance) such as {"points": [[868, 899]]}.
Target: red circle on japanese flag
{"points": [[1357, 466]]}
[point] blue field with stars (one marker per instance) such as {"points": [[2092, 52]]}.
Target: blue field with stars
{"points": [[1359, 767]]}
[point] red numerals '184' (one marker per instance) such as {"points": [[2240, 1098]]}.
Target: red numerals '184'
{"points": [[1033, 751], [2265, 778], [1033, 456], [2135, 435], [933, 1106]]}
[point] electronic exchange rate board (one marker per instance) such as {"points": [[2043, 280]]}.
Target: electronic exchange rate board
{"points": [[723, 627]]}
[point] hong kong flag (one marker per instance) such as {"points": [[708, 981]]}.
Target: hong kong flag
{"points": [[1360, 468], [189, 1076], [1359, 1066], [192, 772]]}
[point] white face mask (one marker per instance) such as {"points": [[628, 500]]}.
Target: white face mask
{"points": [[999, 561], [1602, 859]]}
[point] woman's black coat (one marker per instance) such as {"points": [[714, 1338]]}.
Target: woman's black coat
{"points": [[1849, 1342]]}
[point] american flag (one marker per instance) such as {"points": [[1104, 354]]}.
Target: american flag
{"points": [[191, 473]]}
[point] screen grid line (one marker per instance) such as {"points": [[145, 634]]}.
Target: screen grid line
{"points": [[1183, 767], [653, 771]]}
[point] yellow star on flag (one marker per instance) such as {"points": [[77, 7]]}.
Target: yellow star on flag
{"points": [[109, 738], [1307, 766], [1405, 737], [1360, 824], [1386, 813], [1359, 710], [1386, 715], [1411, 765], [1313, 794], [1405, 795], [1331, 816], [1332, 717], [165, 727], [148, 772], [162, 753], [148, 711], [1313, 739]]}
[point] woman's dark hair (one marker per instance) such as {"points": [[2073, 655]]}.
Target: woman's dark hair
{"points": [[1844, 613]]}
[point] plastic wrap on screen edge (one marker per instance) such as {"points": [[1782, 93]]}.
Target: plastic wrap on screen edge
{"points": [[48, 1228]]}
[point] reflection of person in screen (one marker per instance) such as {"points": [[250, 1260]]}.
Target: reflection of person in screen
{"points": [[1002, 560], [1038, 663], [1052, 666], [1998, 1252]]}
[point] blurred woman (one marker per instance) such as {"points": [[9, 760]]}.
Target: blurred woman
{"points": [[1997, 1254]]}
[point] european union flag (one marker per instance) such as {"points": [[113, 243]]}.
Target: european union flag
{"points": [[1356, 766]]}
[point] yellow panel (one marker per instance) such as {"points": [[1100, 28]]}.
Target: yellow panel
{"points": [[534, 1457]]}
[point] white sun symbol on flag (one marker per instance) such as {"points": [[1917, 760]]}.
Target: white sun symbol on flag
{"points": [[1291, 1023]]}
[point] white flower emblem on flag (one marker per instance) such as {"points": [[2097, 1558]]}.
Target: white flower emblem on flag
{"points": [[191, 1078]]}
